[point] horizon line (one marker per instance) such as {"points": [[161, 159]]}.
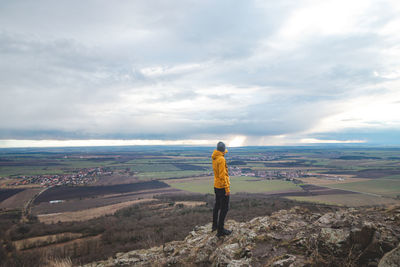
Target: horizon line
{"points": [[52, 143]]}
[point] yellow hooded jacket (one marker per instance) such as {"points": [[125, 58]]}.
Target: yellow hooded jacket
{"points": [[221, 176]]}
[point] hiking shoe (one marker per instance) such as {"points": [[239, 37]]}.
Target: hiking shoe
{"points": [[224, 232], [227, 232]]}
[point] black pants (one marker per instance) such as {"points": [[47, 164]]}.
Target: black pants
{"points": [[221, 204]]}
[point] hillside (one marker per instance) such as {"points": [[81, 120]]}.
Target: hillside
{"points": [[295, 237]]}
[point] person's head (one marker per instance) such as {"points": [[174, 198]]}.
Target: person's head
{"points": [[221, 146]]}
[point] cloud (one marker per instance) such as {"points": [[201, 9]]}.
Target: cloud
{"points": [[325, 141], [251, 72]]}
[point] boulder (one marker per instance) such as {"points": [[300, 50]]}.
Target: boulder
{"points": [[391, 259], [285, 262]]}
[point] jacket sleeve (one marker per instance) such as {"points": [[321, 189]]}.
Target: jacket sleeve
{"points": [[223, 174]]}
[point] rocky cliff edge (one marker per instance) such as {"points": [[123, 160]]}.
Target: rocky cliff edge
{"points": [[295, 237]]}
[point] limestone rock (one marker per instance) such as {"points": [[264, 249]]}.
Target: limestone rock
{"points": [[391, 259], [285, 262], [334, 237], [295, 237]]}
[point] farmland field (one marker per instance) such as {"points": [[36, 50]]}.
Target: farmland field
{"points": [[107, 193], [72, 192], [18, 200], [79, 204], [395, 177], [168, 174], [6, 193], [238, 184], [324, 181], [87, 214], [349, 200], [128, 165], [383, 187]]}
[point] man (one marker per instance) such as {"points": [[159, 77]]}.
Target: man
{"points": [[221, 189]]}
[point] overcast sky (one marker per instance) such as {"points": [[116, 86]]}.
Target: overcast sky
{"points": [[247, 72]]}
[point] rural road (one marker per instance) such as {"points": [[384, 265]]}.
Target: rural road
{"points": [[27, 207]]}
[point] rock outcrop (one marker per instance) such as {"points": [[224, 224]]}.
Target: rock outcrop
{"points": [[295, 237], [391, 259]]}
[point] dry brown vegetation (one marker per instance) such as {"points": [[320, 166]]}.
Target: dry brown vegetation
{"points": [[88, 214], [190, 203], [59, 262], [18, 200], [45, 240], [138, 226], [88, 203]]}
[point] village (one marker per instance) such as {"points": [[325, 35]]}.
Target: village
{"points": [[87, 176], [267, 174], [81, 177]]}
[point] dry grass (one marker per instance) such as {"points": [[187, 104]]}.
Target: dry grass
{"points": [[44, 240], [190, 204], [88, 214], [59, 262], [391, 208], [76, 242]]}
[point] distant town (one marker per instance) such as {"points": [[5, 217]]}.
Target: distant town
{"points": [[279, 174], [237, 167], [81, 177], [89, 175]]}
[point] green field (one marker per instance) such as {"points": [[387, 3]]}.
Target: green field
{"points": [[238, 184], [168, 174], [153, 167], [394, 177], [148, 168], [43, 167], [382, 187], [29, 170], [148, 163]]}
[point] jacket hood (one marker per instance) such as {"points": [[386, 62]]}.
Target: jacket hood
{"points": [[218, 153]]}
